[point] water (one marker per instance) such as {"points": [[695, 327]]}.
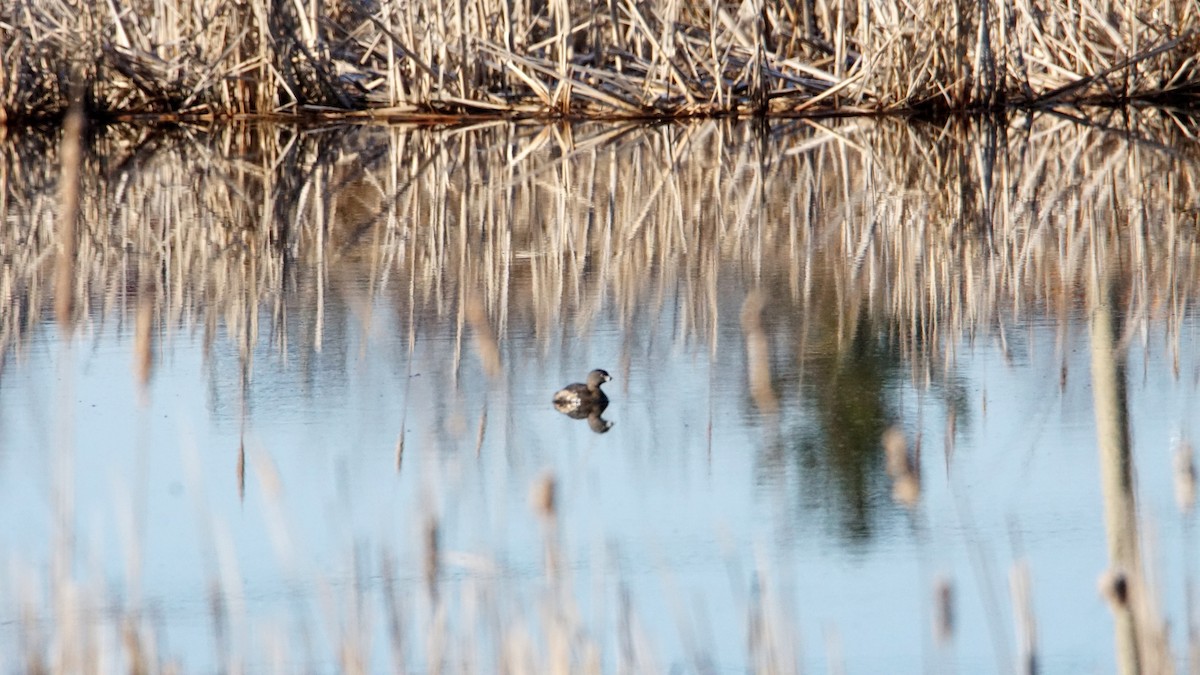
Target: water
{"points": [[356, 333]]}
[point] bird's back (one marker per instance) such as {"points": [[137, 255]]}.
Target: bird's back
{"points": [[571, 395]]}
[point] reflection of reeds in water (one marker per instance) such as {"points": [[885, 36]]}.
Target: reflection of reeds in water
{"points": [[758, 354], [68, 210], [934, 234], [948, 232], [485, 338], [902, 468], [1185, 477], [143, 341]]}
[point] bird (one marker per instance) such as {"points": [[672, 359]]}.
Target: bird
{"points": [[579, 400]]}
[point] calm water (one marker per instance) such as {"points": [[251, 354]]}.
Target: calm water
{"points": [[356, 334]]}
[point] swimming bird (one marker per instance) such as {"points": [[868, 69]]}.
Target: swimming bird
{"points": [[581, 400]]}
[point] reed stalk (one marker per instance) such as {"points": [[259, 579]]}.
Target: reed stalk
{"points": [[426, 59]]}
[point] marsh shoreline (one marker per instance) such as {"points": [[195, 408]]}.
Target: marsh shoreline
{"points": [[557, 59]]}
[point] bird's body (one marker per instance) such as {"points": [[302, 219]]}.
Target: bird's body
{"points": [[581, 400]]}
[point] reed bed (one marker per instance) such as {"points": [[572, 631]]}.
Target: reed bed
{"points": [[943, 232], [658, 58], [771, 238]]}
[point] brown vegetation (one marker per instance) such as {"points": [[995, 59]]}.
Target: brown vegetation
{"points": [[421, 58]]}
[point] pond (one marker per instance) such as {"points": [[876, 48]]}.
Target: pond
{"points": [[886, 396]]}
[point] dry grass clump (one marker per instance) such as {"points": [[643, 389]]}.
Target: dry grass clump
{"points": [[565, 57]]}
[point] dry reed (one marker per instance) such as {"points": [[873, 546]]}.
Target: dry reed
{"points": [[431, 58]]}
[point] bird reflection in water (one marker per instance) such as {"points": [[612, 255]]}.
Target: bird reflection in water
{"points": [[585, 401]]}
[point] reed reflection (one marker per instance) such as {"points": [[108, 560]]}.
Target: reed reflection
{"points": [[839, 374], [832, 255]]}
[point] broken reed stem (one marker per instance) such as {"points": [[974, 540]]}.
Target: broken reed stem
{"points": [[71, 160], [143, 342], [943, 611], [543, 499], [1019, 585], [431, 567]]}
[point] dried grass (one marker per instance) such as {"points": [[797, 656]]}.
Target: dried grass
{"points": [[423, 58]]}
